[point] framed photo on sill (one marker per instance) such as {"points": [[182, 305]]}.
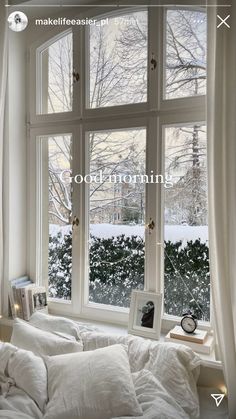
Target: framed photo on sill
{"points": [[145, 314]]}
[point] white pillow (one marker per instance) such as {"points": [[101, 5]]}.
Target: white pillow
{"points": [[92, 385], [40, 342], [30, 374], [58, 324]]}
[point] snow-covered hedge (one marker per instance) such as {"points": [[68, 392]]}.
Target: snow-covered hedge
{"points": [[117, 267]]}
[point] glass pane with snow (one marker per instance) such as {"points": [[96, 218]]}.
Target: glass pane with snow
{"points": [[56, 66], [187, 277], [117, 214], [185, 61], [59, 217], [118, 60]]}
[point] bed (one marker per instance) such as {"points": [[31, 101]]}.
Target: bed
{"points": [[112, 376]]}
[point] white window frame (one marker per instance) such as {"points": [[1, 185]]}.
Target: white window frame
{"points": [[155, 114]]}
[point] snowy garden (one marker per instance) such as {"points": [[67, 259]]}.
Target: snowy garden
{"points": [[117, 265]]}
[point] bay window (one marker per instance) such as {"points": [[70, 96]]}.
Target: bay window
{"points": [[118, 147]]}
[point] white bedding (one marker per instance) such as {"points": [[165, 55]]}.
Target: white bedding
{"points": [[17, 401], [23, 383], [10, 414], [158, 368], [164, 377]]}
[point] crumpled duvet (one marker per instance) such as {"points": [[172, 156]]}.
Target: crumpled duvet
{"points": [[154, 399], [17, 401], [5, 384], [164, 376]]}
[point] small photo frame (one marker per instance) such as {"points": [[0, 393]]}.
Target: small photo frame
{"points": [[145, 314]]}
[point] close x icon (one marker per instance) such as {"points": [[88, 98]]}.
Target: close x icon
{"points": [[223, 21]]}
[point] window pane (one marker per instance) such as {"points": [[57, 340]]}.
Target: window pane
{"points": [[117, 203], [185, 67], [56, 83], [59, 215], [187, 277], [118, 60]]}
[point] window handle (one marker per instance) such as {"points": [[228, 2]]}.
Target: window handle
{"points": [[153, 62], [151, 225], [75, 222], [75, 76]]}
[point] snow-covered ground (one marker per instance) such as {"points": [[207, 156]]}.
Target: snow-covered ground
{"points": [[173, 233]]}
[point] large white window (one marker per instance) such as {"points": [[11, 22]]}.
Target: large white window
{"points": [[118, 141]]}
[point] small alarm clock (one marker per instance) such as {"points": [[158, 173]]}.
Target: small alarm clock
{"points": [[189, 322]]}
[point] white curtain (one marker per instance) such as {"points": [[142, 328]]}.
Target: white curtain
{"points": [[221, 119], [3, 82]]}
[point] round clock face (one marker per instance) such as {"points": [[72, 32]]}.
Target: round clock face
{"points": [[188, 324]]}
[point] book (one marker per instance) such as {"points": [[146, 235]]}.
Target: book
{"points": [[11, 311], [25, 297], [204, 348], [15, 296], [26, 306], [198, 336]]}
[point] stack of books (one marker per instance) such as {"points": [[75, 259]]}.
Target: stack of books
{"points": [[199, 341], [25, 297]]}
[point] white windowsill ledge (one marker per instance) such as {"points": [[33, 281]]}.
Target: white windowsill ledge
{"points": [[207, 360]]}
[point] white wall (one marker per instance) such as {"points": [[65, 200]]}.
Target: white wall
{"points": [[16, 209], [15, 161]]}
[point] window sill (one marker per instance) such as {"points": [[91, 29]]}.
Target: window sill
{"points": [[59, 301], [208, 361], [111, 314]]}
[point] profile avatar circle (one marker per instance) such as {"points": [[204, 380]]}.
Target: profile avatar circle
{"points": [[17, 21]]}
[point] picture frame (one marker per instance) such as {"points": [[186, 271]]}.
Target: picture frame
{"points": [[145, 314]]}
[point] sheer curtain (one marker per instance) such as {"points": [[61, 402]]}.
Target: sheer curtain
{"points": [[3, 82], [221, 119]]}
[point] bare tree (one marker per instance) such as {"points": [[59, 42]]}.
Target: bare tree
{"points": [[185, 53], [118, 75], [186, 161]]}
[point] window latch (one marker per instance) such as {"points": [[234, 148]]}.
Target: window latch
{"points": [[75, 222], [151, 225], [153, 62], [75, 76]]}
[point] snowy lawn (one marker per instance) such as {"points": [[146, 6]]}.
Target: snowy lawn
{"points": [[173, 233]]}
